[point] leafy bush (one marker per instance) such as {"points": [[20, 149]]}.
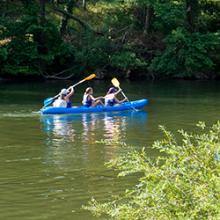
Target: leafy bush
{"points": [[126, 60], [183, 183], [166, 19], [129, 37], [3, 55], [187, 54], [33, 47], [93, 53]]}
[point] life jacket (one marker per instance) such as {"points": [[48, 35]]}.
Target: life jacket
{"points": [[86, 100], [69, 104], [110, 100]]}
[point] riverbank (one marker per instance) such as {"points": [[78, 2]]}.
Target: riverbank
{"points": [[101, 76]]}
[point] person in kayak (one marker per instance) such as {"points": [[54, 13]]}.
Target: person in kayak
{"points": [[90, 100], [64, 98], [111, 99]]}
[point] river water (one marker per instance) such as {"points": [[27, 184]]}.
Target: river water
{"points": [[52, 165]]}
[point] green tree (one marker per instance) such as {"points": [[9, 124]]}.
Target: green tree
{"points": [[187, 55], [154, 38], [34, 45], [182, 183]]}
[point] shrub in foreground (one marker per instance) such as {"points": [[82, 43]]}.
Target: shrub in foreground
{"points": [[183, 183]]}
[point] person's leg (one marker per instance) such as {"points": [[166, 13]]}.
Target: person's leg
{"points": [[97, 102]]}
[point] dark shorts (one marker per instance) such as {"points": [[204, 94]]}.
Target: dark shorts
{"points": [[111, 103], [88, 103], [69, 105]]}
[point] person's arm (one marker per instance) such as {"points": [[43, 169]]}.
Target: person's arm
{"points": [[91, 97], [120, 101], [118, 92], [98, 98], [125, 99], [70, 93], [117, 101]]}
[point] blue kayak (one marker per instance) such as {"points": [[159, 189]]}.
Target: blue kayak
{"points": [[133, 105]]}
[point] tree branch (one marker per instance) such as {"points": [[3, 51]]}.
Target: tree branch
{"points": [[57, 75], [81, 22]]}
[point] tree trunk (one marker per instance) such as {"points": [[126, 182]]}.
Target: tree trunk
{"points": [[149, 13], [41, 38], [42, 9], [84, 4], [65, 18], [192, 12]]}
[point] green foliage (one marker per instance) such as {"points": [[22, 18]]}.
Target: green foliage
{"points": [[126, 60], [100, 54], [3, 55], [33, 46], [166, 19], [183, 183], [170, 38], [187, 54], [210, 16], [92, 53]]}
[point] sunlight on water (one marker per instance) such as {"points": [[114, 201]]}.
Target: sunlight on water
{"points": [[20, 115], [113, 126]]}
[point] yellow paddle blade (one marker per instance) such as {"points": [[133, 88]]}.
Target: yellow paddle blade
{"points": [[90, 77], [115, 82]]}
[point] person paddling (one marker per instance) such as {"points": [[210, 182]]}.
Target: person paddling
{"points": [[90, 100], [64, 98], [111, 99]]}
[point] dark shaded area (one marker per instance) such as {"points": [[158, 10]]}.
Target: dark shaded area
{"points": [[41, 39]]}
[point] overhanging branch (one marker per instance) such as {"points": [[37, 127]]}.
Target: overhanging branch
{"points": [[81, 22]]}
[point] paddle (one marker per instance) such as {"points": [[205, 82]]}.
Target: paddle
{"points": [[116, 83], [49, 100]]}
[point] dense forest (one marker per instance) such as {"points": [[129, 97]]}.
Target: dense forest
{"points": [[125, 38]]}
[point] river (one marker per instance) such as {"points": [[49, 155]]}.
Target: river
{"points": [[52, 165]]}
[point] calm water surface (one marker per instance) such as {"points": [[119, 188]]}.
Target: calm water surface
{"points": [[51, 165]]}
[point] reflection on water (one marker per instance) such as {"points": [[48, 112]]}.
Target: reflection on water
{"points": [[114, 128], [90, 127], [50, 168], [72, 139], [59, 128]]}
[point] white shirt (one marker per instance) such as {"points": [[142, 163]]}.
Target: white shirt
{"points": [[85, 96], [60, 103], [109, 98]]}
